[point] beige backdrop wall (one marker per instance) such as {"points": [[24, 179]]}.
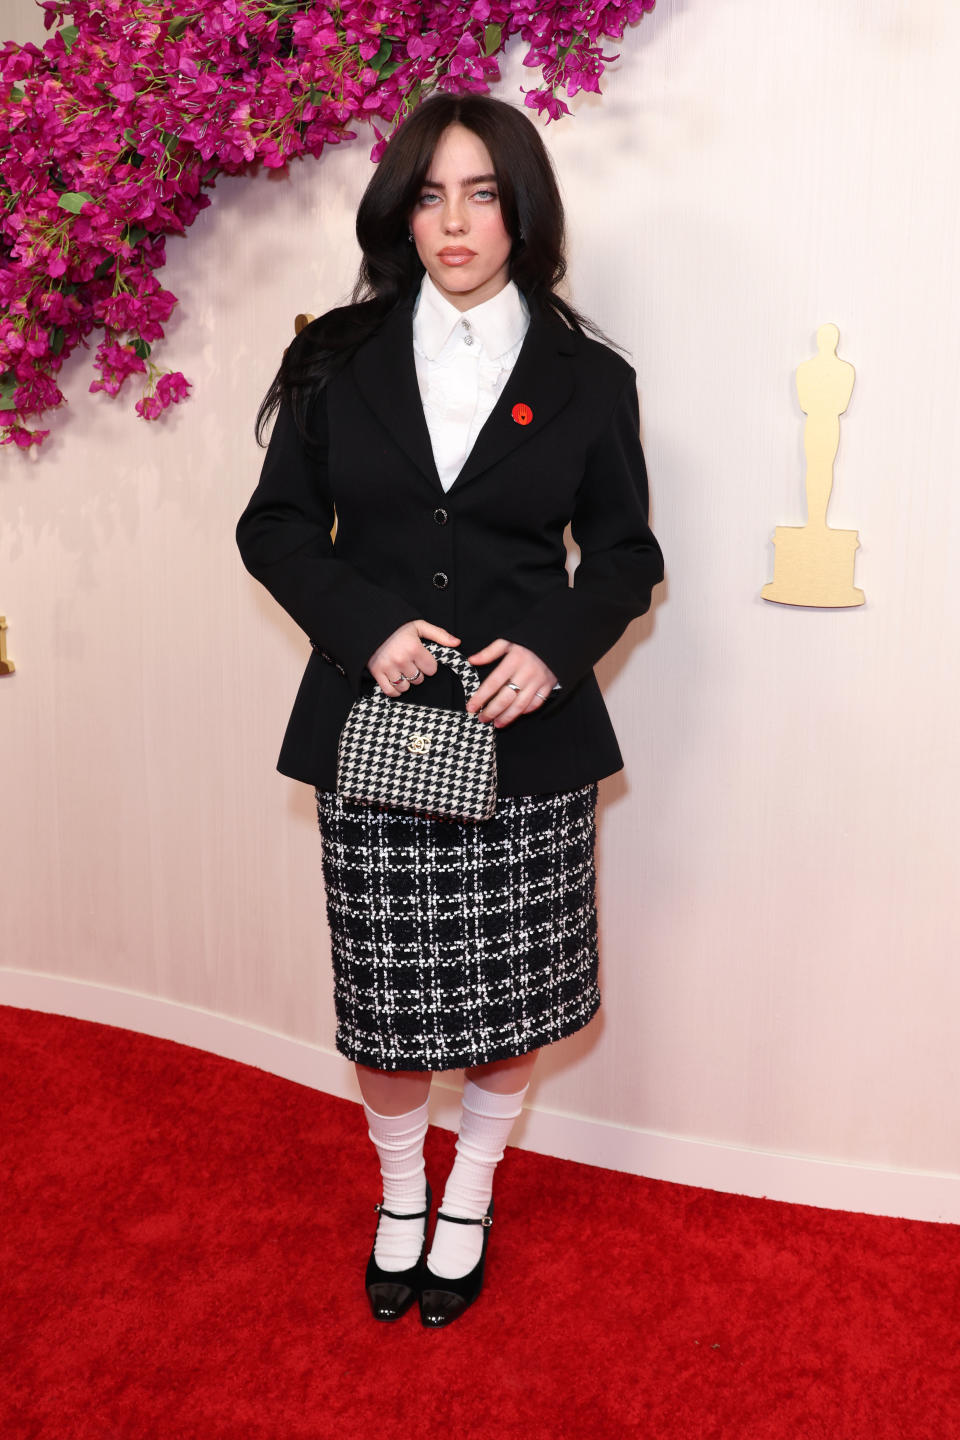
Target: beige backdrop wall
{"points": [[778, 866]]}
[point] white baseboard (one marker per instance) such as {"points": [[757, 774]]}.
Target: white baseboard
{"points": [[797, 1179]]}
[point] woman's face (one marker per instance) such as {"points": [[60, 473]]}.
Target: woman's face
{"points": [[456, 223]]}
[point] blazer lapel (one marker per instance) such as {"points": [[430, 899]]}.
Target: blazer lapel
{"points": [[386, 373], [541, 380]]}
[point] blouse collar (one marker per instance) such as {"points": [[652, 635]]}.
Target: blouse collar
{"points": [[499, 323]]}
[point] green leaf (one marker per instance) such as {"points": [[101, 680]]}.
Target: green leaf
{"points": [[69, 35], [103, 269], [73, 200], [56, 339], [130, 135], [141, 347], [492, 36], [381, 57], [8, 384], [16, 93], [210, 174], [135, 234], [176, 27]]}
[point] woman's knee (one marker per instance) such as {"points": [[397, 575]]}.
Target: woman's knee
{"points": [[506, 1076], [393, 1092]]}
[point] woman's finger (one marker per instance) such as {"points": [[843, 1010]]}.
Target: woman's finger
{"points": [[490, 687], [408, 668], [391, 680], [512, 693], [493, 651], [516, 707], [437, 633], [426, 663]]}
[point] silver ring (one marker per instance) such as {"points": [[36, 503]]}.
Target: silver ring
{"points": [[398, 679], [415, 676], [539, 696], [512, 686]]}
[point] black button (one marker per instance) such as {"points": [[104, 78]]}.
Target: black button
{"points": [[440, 515], [440, 580]]}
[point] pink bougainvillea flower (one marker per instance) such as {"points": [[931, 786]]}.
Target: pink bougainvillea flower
{"points": [[114, 131]]}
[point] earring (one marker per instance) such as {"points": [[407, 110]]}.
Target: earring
{"points": [[410, 237], [522, 236]]}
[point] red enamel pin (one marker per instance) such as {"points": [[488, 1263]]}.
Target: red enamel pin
{"points": [[522, 414]]}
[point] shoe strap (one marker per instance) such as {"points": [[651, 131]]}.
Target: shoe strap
{"points": [[381, 1210], [485, 1220]]}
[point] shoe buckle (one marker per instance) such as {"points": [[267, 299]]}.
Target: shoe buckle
{"points": [[487, 1221]]}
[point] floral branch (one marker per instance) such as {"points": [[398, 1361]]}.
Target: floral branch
{"points": [[114, 131]]}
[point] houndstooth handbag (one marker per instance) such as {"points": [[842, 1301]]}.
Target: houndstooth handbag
{"points": [[420, 757]]}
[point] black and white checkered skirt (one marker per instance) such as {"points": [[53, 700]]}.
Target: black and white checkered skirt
{"points": [[459, 943]]}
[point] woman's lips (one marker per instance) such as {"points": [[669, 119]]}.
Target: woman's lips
{"points": [[454, 256]]}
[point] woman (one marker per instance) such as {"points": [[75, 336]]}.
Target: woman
{"points": [[452, 420]]}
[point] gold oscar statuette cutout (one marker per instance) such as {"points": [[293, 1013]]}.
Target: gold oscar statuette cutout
{"points": [[813, 564], [7, 667]]}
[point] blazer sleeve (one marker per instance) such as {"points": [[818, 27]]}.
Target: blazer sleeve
{"points": [[620, 561], [284, 540]]}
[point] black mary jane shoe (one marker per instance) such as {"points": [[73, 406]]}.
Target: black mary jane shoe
{"points": [[392, 1292], [442, 1306]]}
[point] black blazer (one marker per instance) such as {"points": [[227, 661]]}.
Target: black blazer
{"points": [[485, 559]]}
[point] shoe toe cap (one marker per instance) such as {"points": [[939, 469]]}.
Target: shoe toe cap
{"points": [[389, 1301], [440, 1307]]}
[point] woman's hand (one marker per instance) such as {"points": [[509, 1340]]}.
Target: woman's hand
{"points": [[499, 701], [401, 661]]}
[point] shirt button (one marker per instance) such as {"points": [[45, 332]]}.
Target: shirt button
{"points": [[468, 339], [440, 515], [440, 581]]}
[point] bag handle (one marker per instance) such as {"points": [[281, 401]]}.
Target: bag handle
{"points": [[461, 667]]}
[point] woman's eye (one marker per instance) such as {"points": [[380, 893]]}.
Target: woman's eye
{"points": [[427, 199], [485, 195]]}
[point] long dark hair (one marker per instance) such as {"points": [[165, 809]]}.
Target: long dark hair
{"points": [[391, 269]]}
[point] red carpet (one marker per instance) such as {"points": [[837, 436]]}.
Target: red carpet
{"points": [[183, 1243]]}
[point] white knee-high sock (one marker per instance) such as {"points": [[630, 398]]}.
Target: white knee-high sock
{"points": [[486, 1120], [399, 1144]]}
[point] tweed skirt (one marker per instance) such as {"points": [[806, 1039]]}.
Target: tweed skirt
{"points": [[457, 943]]}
